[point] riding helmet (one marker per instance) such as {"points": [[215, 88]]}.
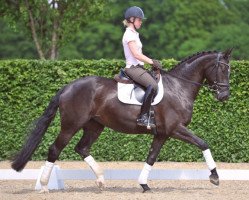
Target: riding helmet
{"points": [[134, 11]]}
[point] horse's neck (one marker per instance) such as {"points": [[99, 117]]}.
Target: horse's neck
{"points": [[191, 71], [191, 75]]}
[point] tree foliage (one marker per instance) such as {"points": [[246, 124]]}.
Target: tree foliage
{"points": [[173, 28], [50, 23]]}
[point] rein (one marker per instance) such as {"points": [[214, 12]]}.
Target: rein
{"points": [[213, 87], [216, 85]]}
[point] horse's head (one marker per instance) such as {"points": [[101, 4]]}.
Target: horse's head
{"points": [[218, 73]]}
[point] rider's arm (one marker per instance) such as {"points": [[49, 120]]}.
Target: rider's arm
{"points": [[133, 47]]}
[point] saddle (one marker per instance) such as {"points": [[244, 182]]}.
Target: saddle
{"points": [[122, 77], [131, 93]]}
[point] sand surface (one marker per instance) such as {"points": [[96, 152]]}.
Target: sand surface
{"points": [[129, 189]]}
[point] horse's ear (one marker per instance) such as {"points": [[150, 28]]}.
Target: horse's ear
{"points": [[227, 53]]}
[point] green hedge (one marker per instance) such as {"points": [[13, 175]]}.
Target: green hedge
{"points": [[28, 85]]}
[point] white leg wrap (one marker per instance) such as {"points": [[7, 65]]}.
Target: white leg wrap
{"points": [[144, 174], [209, 159], [46, 173], [94, 166]]}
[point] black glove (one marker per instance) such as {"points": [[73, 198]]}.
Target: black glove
{"points": [[156, 65]]}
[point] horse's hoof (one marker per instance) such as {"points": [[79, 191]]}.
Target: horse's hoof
{"points": [[100, 182], [145, 187], [214, 178], [44, 189]]}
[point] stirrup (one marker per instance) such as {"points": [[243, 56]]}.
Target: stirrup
{"points": [[147, 124], [147, 121], [151, 121], [150, 126]]}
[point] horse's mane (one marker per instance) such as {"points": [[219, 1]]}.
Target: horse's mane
{"points": [[191, 58]]}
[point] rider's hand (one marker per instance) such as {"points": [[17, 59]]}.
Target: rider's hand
{"points": [[156, 65]]}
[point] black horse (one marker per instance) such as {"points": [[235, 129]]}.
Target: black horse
{"points": [[91, 103]]}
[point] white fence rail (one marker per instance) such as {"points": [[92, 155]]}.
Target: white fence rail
{"points": [[59, 175]]}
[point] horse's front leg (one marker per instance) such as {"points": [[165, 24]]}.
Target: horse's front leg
{"points": [[182, 133], [156, 146]]}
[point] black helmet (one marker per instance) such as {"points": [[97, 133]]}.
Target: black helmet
{"points": [[134, 11]]}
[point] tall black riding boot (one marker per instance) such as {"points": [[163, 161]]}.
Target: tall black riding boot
{"points": [[143, 118]]}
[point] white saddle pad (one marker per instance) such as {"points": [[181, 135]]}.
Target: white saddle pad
{"points": [[126, 93]]}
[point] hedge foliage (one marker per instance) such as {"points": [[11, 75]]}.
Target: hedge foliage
{"points": [[28, 85]]}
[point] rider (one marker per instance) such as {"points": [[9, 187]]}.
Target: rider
{"points": [[135, 60]]}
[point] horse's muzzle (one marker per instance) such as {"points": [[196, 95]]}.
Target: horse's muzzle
{"points": [[223, 95]]}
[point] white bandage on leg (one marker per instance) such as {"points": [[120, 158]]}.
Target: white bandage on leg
{"points": [[209, 159], [94, 166], [46, 173], [96, 169], [144, 174]]}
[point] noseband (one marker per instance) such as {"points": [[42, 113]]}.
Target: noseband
{"points": [[215, 86]]}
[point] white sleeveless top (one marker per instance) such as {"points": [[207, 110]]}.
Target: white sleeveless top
{"points": [[131, 35]]}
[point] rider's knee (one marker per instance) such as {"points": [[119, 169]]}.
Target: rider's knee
{"points": [[153, 87]]}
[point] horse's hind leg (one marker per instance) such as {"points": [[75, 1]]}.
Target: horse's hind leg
{"points": [[182, 133], [54, 151], [92, 130]]}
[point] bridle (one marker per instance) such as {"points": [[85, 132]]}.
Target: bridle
{"points": [[215, 86]]}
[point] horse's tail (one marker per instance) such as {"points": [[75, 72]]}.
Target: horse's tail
{"points": [[36, 134]]}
